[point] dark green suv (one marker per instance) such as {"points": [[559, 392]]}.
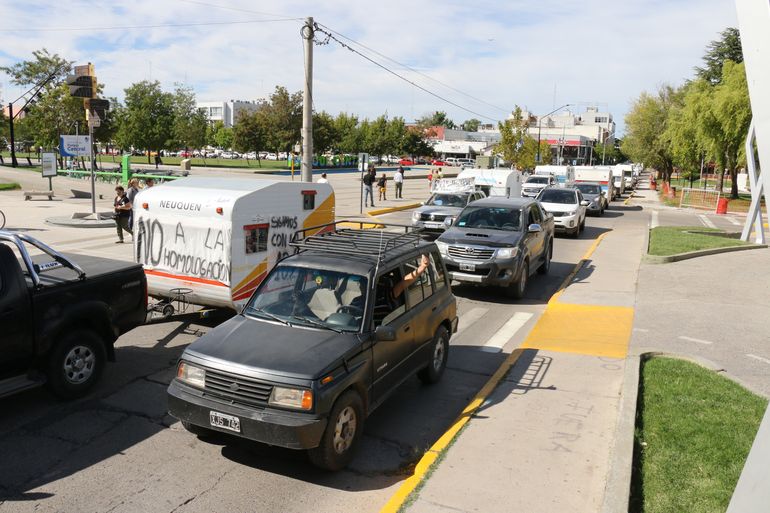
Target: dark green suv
{"points": [[330, 333]]}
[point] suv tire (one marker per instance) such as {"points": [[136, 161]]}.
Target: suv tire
{"points": [[75, 364], [439, 352], [518, 287], [342, 433], [546, 265]]}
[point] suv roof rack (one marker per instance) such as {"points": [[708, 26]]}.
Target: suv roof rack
{"points": [[337, 238]]}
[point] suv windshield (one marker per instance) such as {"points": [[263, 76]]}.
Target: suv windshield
{"points": [[558, 196], [538, 179], [448, 200], [589, 189], [311, 297], [494, 218]]}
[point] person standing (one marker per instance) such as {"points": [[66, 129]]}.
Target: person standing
{"points": [[149, 182], [122, 212], [368, 184], [382, 184], [133, 190], [157, 160], [398, 179], [323, 178], [439, 174], [430, 179]]}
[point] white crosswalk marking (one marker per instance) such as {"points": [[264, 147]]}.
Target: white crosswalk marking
{"points": [[696, 340], [708, 223], [733, 221], [496, 343], [467, 319]]}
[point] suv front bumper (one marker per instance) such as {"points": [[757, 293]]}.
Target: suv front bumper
{"points": [[499, 272], [270, 426]]}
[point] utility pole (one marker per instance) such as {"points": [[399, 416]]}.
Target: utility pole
{"points": [[307, 104], [14, 162]]}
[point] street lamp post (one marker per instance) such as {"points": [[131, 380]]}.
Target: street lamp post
{"points": [[540, 123]]}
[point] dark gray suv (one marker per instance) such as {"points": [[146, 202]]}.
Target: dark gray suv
{"points": [[329, 334], [499, 241]]}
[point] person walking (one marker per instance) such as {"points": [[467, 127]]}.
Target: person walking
{"points": [[157, 160], [398, 179], [430, 180], [122, 212], [382, 184], [323, 178], [368, 184], [133, 190]]}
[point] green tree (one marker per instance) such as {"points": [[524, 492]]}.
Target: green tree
{"points": [[325, 136], [148, 119], [414, 144], [437, 118], [224, 138], [516, 146], [471, 125], [283, 114], [108, 127], [349, 139], [646, 138], [190, 123], [249, 133], [726, 48], [394, 136]]}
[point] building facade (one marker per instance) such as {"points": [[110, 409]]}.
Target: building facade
{"points": [[228, 111], [572, 137]]}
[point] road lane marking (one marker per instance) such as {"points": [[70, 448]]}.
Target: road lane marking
{"points": [[706, 221], [654, 222], [761, 359], [641, 330], [733, 221], [470, 318], [697, 340], [496, 343]]}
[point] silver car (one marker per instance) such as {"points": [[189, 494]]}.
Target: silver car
{"points": [[442, 205]]}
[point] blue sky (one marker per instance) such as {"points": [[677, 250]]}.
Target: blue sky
{"points": [[534, 54]]}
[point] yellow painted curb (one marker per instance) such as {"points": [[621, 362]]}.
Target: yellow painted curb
{"points": [[389, 210], [629, 199], [580, 264], [431, 455]]}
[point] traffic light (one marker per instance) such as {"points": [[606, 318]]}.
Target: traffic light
{"points": [[97, 105], [82, 86]]}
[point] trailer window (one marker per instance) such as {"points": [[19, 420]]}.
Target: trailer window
{"points": [[308, 200], [255, 237]]}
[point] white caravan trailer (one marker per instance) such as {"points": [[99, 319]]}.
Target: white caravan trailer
{"points": [[217, 238], [565, 175], [602, 175], [627, 172], [495, 182], [618, 181]]}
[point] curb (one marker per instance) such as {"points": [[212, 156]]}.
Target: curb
{"points": [[656, 259], [390, 210]]}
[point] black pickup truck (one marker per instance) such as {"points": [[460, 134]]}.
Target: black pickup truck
{"points": [[59, 319]]}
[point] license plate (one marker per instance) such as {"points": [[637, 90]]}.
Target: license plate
{"points": [[223, 421], [434, 225], [467, 267]]}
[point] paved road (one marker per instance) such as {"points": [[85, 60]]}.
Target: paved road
{"points": [[118, 450]]}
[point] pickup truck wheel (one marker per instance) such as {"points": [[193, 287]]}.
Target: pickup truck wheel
{"points": [[438, 356], [342, 433], [546, 265], [517, 288], [75, 364]]}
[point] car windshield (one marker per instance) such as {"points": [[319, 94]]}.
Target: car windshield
{"points": [[589, 189], [311, 297], [558, 196], [537, 179], [448, 200], [493, 218]]}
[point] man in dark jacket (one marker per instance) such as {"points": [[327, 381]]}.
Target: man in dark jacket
{"points": [[369, 179], [122, 212]]}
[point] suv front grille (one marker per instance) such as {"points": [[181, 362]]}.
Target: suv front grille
{"points": [[237, 388], [470, 253], [432, 217]]}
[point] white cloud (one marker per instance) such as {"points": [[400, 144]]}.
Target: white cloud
{"points": [[504, 52]]}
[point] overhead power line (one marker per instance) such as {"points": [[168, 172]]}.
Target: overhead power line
{"points": [[130, 27], [332, 37]]}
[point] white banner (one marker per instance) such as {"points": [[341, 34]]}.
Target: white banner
{"points": [[49, 164], [75, 145]]}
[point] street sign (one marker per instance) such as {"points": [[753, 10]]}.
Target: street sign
{"points": [[49, 164], [363, 161], [75, 146]]}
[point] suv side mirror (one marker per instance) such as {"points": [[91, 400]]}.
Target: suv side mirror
{"points": [[535, 228], [448, 221], [585, 203], [385, 334]]}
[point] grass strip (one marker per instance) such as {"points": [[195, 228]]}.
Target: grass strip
{"points": [[672, 240], [694, 431], [6, 186]]}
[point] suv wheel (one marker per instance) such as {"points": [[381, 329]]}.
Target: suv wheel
{"points": [[343, 431], [546, 265], [517, 288], [438, 357], [75, 364]]}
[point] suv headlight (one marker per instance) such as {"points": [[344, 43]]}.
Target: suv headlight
{"points": [[507, 252], [572, 213], [442, 247], [415, 216], [191, 375], [301, 399]]}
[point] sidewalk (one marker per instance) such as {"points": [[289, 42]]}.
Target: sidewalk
{"points": [[544, 439]]}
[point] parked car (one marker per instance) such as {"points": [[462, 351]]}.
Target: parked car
{"points": [[406, 162], [440, 206], [499, 241], [596, 197], [452, 161], [536, 183], [466, 162], [568, 208], [438, 162], [328, 336], [61, 316]]}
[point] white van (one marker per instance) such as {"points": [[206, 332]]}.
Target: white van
{"points": [[217, 238], [565, 175], [495, 182]]}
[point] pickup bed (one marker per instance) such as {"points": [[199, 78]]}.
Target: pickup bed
{"points": [[61, 315]]}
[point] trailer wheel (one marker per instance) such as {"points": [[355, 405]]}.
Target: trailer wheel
{"points": [[168, 311]]}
